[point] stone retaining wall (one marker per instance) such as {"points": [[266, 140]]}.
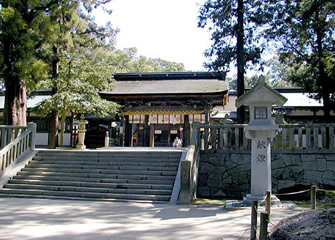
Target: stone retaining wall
{"points": [[227, 173]]}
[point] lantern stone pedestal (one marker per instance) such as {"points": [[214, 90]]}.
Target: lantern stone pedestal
{"points": [[261, 130], [81, 134], [260, 161]]}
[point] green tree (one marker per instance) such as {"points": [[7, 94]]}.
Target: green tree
{"points": [[233, 25], [126, 60], [278, 73], [305, 33], [72, 27], [22, 28], [81, 76], [31, 33], [74, 35]]}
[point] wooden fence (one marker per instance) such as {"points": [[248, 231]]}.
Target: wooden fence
{"points": [[289, 136]]}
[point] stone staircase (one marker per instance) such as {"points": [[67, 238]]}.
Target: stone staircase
{"points": [[146, 176]]}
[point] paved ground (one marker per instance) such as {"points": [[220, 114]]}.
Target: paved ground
{"points": [[60, 219]]}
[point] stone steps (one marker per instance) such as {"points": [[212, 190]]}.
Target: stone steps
{"points": [[34, 166], [107, 176], [102, 178], [47, 171], [101, 156], [9, 192], [105, 163], [97, 189], [89, 184]]}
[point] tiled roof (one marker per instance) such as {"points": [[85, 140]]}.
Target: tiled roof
{"points": [[168, 83]]}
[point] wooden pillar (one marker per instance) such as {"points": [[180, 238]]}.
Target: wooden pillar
{"points": [[127, 132], [152, 135], [71, 129], [313, 197], [207, 118], [253, 227], [187, 131], [146, 129], [131, 135]]}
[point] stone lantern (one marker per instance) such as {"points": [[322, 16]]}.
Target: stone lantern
{"points": [[81, 133], [261, 130]]}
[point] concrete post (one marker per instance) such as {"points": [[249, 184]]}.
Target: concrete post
{"points": [[32, 127], [185, 183]]}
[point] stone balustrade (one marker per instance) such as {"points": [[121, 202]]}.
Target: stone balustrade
{"points": [[9, 133], [301, 155], [21, 140], [289, 136]]}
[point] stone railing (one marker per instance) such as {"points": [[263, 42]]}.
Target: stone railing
{"points": [[225, 136], [9, 133], [24, 141], [305, 136], [189, 169], [289, 136]]}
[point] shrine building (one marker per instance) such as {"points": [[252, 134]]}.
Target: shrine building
{"points": [[158, 107]]}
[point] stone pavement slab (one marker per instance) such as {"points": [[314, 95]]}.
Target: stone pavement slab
{"points": [[62, 219]]}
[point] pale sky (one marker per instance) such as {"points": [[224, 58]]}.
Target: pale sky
{"points": [[165, 29]]}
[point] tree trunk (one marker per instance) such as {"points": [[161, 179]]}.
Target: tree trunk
{"points": [[53, 120], [15, 95], [322, 78], [53, 127], [240, 59], [15, 102], [62, 129]]}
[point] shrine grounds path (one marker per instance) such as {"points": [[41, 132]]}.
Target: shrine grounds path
{"points": [[63, 219]]}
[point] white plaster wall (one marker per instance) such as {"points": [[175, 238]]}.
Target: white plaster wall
{"points": [[66, 139], [42, 139]]}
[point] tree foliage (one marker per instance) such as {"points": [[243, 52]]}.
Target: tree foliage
{"points": [[127, 60], [79, 81], [32, 33], [251, 81], [305, 33], [234, 34], [221, 17], [22, 31]]}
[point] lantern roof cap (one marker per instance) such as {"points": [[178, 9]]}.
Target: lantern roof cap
{"points": [[261, 94]]}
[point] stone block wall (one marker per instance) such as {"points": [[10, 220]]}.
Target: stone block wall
{"points": [[227, 173]]}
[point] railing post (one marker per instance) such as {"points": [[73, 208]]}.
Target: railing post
{"points": [[331, 137], [313, 197], [263, 233], [32, 128], [3, 137], [268, 203], [253, 230], [316, 137], [185, 184], [300, 137]]}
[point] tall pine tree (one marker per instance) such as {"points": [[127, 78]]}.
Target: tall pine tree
{"points": [[22, 28], [234, 34], [305, 33]]}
